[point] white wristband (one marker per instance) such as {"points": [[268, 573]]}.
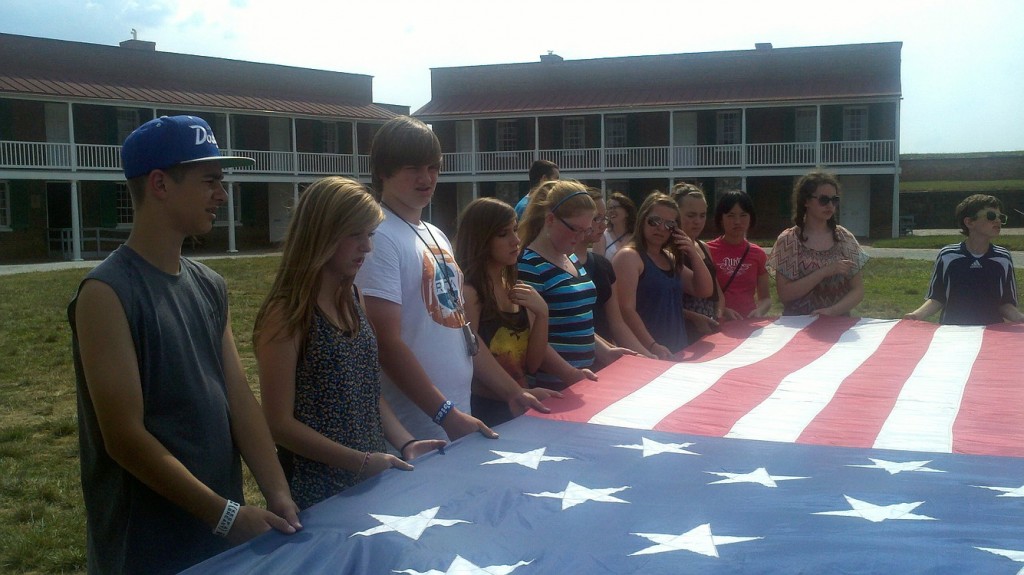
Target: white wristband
{"points": [[227, 519]]}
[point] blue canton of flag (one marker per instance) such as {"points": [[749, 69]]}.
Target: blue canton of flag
{"points": [[560, 497]]}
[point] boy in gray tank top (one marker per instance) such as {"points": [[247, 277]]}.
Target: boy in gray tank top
{"points": [[164, 408]]}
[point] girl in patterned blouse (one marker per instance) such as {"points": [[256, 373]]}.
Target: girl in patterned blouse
{"points": [[817, 262], [317, 353]]}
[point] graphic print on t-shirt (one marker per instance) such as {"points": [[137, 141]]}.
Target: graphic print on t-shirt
{"points": [[443, 301], [729, 264]]}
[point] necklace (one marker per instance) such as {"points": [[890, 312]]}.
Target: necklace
{"points": [[472, 345]]}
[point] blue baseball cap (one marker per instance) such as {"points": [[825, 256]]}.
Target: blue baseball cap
{"points": [[171, 140]]}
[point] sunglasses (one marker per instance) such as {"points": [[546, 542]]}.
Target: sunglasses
{"points": [[600, 220], [826, 200], [993, 216], [655, 221], [573, 229]]}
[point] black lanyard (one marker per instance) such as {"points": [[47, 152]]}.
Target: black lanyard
{"points": [[472, 345]]}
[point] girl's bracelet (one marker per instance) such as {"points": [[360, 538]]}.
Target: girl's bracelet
{"points": [[401, 452]]}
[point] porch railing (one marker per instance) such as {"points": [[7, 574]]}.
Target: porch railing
{"points": [[58, 156]]}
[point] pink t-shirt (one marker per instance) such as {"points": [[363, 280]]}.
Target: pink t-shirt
{"points": [[740, 295]]}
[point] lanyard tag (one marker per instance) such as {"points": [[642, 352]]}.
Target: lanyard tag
{"points": [[472, 345]]}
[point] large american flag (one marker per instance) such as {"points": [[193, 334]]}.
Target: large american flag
{"points": [[798, 445]]}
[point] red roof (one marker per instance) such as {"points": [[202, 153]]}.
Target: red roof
{"points": [[745, 76], [43, 67]]}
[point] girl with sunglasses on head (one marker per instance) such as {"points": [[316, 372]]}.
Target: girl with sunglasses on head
{"points": [[817, 262], [509, 317], [653, 277], [559, 217], [739, 263]]}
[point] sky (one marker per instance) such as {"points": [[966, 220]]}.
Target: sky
{"points": [[962, 68]]}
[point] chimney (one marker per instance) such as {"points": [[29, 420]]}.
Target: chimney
{"points": [[763, 46], [136, 44], [551, 58]]}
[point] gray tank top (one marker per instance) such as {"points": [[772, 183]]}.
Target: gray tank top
{"points": [[177, 323]]}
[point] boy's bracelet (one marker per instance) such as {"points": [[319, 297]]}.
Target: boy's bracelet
{"points": [[442, 412], [227, 519]]}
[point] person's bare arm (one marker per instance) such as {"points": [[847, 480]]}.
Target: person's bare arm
{"points": [[628, 266], [402, 367], [112, 375], [277, 358], [252, 436], [927, 309]]}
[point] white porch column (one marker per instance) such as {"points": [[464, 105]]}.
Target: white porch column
{"points": [[295, 195], [76, 224], [231, 218]]}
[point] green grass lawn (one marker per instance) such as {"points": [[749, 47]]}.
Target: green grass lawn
{"points": [[1010, 242], [42, 525]]}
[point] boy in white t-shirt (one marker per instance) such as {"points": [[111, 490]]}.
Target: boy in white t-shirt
{"points": [[413, 292]]}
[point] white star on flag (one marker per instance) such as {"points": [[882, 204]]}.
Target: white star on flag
{"points": [[698, 540], [1014, 555], [651, 447], [531, 459], [877, 513], [461, 566], [894, 467], [1007, 491], [575, 494], [412, 526], [759, 475]]}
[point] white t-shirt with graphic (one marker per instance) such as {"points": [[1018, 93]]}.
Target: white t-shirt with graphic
{"points": [[401, 269]]}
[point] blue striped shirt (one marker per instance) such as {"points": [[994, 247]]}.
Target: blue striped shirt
{"points": [[570, 302]]}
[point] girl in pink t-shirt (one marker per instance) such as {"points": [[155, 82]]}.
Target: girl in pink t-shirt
{"points": [[740, 264]]}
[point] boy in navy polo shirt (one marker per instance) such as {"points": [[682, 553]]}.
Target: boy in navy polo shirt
{"points": [[973, 281]]}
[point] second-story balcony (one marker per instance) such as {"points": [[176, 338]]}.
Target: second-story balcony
{"points": [[95, 157], [737, 156]]}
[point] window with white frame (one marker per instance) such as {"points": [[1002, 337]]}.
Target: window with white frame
{"points": [[125, 216], [806, 123], [728, 124], [574, 136], [127, 121], [855, 123], [222, 211], [507, 136], [5, 206], [330, 140], [615, 131]]}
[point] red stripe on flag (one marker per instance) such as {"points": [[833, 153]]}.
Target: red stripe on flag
{"points": [[729, 338], [861, 405], [991, 416], [717, 410], [586, 398]]}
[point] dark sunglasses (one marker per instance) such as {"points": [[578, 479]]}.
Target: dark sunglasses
{"points": [[655, 221], [992, 216], [825, 200]]}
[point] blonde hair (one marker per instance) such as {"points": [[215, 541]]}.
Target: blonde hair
{"points": [[328, 210], [550, 197]]}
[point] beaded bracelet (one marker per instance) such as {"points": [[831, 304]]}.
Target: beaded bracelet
{"points": [[227, 519], [362, 468], [442, 411]]}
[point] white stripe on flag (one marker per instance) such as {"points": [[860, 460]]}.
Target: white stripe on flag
{"points": [[802, 395], [647, 406], [922, 419]]}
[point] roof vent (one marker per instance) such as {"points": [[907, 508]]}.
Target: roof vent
{"points": [[136, 44], [763, 46], [551, 58]]}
